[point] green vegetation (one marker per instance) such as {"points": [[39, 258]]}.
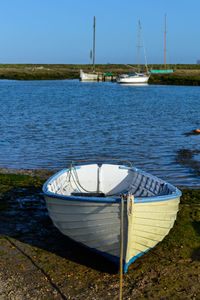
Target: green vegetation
{"points": [[38, 72], [183, 74], [25, 178], [176, 78], [36, 260], [18, 180]]}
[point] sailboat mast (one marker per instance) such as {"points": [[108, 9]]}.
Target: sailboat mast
{"points": [[94, 44], [139, 47], [165, 42]]}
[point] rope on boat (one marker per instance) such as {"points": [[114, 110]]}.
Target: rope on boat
{"points": [[121, 246], [145, 58], [134, 68], [74, 175], [102, 159], [129, 204]]}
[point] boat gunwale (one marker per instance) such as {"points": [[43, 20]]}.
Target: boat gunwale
{"points": [[176, 194]]}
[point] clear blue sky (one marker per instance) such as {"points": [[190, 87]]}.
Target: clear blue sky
{"points": [[60, 31]]}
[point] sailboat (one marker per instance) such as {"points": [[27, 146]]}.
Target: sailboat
{"points": [[137, 77], [92, 76]]}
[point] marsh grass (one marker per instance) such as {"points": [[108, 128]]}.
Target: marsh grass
{"points": [[183, 74]]}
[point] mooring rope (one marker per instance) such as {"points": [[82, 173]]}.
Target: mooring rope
{"points": [[103, 159], [74, 175], [121, 246]]}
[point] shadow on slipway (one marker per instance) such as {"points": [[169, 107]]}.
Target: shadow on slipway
{"points": [[25, 218]]}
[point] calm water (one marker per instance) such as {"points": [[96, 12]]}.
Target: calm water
{"points": [[46, 124]]}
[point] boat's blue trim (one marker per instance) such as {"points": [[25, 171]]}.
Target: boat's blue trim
{"points": [[126, 265], [125, 168], [56, 175], [83, 199], [176, 193], [113, 258], [114, 200]]}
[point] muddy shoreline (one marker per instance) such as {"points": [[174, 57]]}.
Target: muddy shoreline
{"points": [[38, 262]]}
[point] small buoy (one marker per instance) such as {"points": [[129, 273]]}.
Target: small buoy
{"points": [[197, 130]]}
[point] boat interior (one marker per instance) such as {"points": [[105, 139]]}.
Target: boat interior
{"points": [[107, 180]]}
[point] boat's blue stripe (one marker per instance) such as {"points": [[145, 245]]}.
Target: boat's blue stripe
{"points": [[83, 199], [172, 196], [125, 168], [176, 194], [126, 265], [55, 176]]}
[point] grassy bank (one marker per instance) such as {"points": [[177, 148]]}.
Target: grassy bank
{"points": [[183, 74], [38, 72], [37, 262]]}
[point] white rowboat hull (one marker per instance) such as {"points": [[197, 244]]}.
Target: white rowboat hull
{"points": [[95, 221]]}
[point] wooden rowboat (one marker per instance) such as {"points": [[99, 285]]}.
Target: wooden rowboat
{"points": [[84, 203]]}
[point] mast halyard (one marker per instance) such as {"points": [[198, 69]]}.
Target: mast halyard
{"points": [[165, 44], [139, 47], [94, 45]]}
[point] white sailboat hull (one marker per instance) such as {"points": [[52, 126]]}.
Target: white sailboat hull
{"points": [[135, 79], [88, 76], [95, 221]]}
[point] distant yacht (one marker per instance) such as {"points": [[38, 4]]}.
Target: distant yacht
{"points": [[91, 76], [137, 77], [133, 78], [88, 76]]}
